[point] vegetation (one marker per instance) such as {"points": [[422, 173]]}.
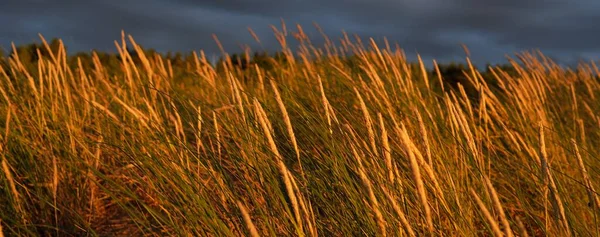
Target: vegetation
{"points": [[336, 140]]}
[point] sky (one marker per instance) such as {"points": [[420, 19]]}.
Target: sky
{"points": [[567, 31]]}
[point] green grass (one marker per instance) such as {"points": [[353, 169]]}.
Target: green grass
{"points": [[314, 147]]}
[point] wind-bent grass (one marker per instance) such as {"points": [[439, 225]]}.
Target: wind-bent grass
{"points": [[145, 151]]}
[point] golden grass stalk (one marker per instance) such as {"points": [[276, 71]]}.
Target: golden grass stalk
{"points": [[11, 182], [6, 167], [236, 94], [379, 55], [409, 145], [287, 121], [177, 121], [216, 39], [247, 219], [217, 133], [439, 74], [153, 114], [498, 207], [307, 208], [461, 123], [50, 51], [581, 130], [264, 122], [424, 134], [557, 205], [261, 79], [55, 189], [107, 111], [19, 65], [486, 213], [466, 100], [251, 31], [414, 165], [135, 112], [325, 103], [387, 151], [521, 227], [127, 62], [280, 36], [424, 72], [204, 70], [473, 78], [142, 57], [544, 171], [92, 180], [400, 213], [374, 203], [592, 194], [368, 121], [199, 121]]}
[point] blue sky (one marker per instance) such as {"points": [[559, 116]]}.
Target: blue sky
{"points": [[564, 30]]}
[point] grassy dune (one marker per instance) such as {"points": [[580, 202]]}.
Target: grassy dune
{"points": [[313, 147]]}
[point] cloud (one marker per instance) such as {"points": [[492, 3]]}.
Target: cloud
{"points": [[433, 28]]}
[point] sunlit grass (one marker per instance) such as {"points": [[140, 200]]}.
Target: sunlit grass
{"points": [[312, 147]]}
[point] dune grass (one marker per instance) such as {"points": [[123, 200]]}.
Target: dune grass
{"points": [[312, 147]]}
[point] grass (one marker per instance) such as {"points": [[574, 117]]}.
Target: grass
{"points": [[312, 147]]}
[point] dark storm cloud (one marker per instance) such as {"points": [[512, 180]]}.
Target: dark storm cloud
{"points": [[433, 28]]}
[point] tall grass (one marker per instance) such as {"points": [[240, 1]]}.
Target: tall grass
{"points": [[313, 147]]}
